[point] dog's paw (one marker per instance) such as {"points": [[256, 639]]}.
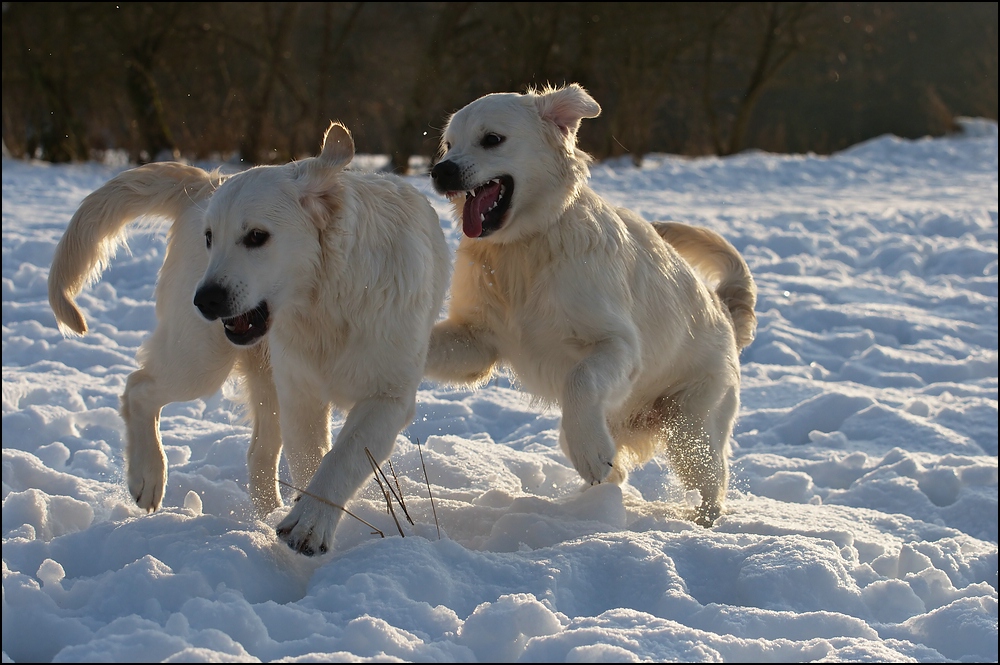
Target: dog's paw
{"points": [[308, 528], [594, 462], [595, 470], [589, 446], [705, 515], [147, 479]]}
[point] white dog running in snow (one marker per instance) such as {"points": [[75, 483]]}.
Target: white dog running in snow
{"points": [[590, 306], [330, 278]]}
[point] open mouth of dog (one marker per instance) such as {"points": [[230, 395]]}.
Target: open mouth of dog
{"points": [[247, 328], [486, 206]]}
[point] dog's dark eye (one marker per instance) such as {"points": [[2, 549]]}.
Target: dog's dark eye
{"points": [[447, 146], [255, 238], [208, 239], [491, 140]]}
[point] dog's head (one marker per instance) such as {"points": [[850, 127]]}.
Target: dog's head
{"points": [[510, 163], [263, 232]]}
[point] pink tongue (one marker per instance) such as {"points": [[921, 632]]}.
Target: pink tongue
{"points": [[476, 206], [241, 325]]}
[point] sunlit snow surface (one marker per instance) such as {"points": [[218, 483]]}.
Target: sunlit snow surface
{"points": [[862, 516]]}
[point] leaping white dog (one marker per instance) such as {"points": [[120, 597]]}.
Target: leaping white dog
{"points": [[318, 285], [590, 306]]}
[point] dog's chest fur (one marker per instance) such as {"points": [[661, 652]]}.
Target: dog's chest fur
{"points": [[511, 288], [355, 329]]}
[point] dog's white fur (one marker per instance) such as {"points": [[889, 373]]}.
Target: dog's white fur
{"points": [[353, 268], [591, 307]]}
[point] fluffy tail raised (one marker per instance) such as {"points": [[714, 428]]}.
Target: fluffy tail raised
{"points": [[715, 258], [98, 228]]}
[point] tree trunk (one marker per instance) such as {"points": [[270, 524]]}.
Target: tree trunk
{"points": [[156, 140], [407, 135], [252, 149]]}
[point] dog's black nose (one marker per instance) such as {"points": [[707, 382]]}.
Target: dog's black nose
{"points": [[445, 176], [211, 300]]}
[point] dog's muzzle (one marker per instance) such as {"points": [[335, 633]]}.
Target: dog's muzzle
{"points": [[212, 300], [446, 177], [486, 204]]}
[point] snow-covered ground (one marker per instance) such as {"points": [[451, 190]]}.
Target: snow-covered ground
{"points": [[862, 515]]}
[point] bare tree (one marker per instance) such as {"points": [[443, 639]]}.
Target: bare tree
{"points": [[140, 31], [641, 44], [534, 38], [207, 79], [333, 41], [256, 42], [407, 135], [305, 72], [46, 72], [778, 31], [277, 31]]}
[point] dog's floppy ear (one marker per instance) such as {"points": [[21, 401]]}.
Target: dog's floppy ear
{"points": [[319, 194], [338, 146], [566, 107]]}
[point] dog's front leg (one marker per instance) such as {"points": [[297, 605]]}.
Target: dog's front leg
{"points": [[459, 353], [373, 423], [596, 383]]}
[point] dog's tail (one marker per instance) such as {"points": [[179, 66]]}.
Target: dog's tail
{"points": [[715, 258], [98, 228]]}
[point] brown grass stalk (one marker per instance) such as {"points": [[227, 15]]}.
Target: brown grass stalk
{"points": [[426, 480], [331, 503], [385, 492]]}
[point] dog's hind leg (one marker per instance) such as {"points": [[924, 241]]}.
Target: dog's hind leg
{"points": [[264, 452], [185, 358], [175, 366], [697, 427]]}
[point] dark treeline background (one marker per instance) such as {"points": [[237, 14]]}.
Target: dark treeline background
{"points": [[260, 81]]}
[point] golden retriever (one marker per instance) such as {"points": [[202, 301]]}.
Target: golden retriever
{"points": [[588, 305], [318, 284]]}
